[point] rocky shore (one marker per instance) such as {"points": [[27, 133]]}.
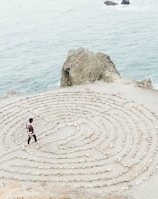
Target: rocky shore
{"points": [[83, 66], [97, 136]]}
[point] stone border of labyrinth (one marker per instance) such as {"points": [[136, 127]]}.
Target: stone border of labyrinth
{"points": [[87, 139]]}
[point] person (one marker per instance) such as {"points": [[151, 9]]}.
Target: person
{"points": [[30, 130]]}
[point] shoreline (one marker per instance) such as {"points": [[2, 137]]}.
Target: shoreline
{"points": [[14, 92]]}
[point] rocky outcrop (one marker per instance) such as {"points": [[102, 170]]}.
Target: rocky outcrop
{"points": [[146, 83], [126, 2], [110, 3], [83, 66], [11, 93]]}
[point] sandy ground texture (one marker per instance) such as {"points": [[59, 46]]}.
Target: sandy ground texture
{"points": [[94, 141]]}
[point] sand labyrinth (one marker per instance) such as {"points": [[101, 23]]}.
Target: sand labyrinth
{"points": [[92, 140]]}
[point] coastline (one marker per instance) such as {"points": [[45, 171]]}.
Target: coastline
{"points": [[78, 128]]}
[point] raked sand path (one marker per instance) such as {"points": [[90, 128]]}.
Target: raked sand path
{"points": [[100, 139]]}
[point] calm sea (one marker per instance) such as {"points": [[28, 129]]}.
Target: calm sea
{"points": [[35, 36]]}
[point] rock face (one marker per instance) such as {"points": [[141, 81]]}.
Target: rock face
{"points": [[110, 3], [126, 2], [83, 66]]}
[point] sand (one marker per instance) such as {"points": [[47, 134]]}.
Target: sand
{"points": [[94, 141]]}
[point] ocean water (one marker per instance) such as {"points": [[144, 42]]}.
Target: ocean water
{"points": [[36, 35]]}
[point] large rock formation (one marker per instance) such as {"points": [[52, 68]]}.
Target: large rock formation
{"points": [[83, 66]]}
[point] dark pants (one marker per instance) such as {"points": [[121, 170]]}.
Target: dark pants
{"points": [[31, 137]]}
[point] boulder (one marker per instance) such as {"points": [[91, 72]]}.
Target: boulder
{"points": [[110, 3], [83, 66], [11, 93], [126, 2], [146, 83]]}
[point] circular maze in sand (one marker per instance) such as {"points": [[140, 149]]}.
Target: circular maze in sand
{"points": [[87, 140]]}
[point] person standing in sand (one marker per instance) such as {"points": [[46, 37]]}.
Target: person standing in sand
{"points": [[30, 130]]}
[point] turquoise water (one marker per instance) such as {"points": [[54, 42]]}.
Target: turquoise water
{"points": [[35, 36]]}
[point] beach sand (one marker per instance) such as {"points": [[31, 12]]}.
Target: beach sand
{"points": [[94, 141]]}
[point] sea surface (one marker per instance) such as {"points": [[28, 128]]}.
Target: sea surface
{"points": [[36, 35]]}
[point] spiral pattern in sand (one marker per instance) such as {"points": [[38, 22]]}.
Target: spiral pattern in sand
{"points": [[93, 140]]}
